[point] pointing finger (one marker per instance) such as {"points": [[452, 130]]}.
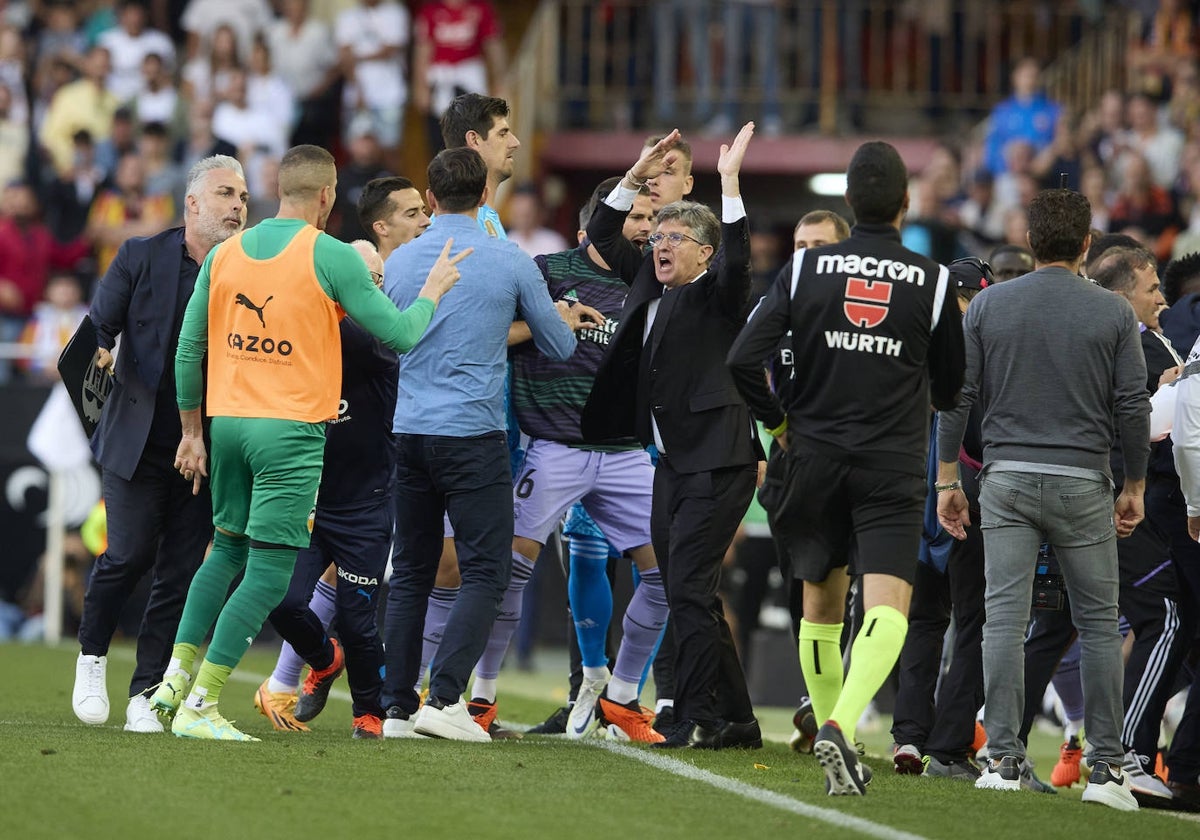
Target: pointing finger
{"points": [[461, 255]]}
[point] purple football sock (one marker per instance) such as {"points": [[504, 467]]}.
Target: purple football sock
{"points": [[644, 620], [441, 601]]}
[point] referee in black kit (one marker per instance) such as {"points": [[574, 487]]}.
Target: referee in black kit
{"points": [[876, 337]]}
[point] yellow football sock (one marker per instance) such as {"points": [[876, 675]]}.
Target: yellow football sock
{"points": [[875, 651], [210, 681], [183, 656], [821, 662]]}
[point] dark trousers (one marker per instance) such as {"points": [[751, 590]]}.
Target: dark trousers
{"points": [[154, 524], [1165, 507], [947, 730], [692, 521], [469, 479], [358, 541]]}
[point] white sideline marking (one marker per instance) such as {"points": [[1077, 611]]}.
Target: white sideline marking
{"points": [[765, 797]]}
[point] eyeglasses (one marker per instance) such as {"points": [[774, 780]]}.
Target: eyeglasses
{"points": [[377, 277], [676, 239]]}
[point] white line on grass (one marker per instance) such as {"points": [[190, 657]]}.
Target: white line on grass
{"points": [[766, 797]]}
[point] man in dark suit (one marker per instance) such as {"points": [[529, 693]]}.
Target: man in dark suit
{"points": [[154, 521], [663, 379]]}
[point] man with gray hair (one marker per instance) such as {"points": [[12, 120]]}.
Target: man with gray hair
{"points": [[154, 521], [664, 382]]}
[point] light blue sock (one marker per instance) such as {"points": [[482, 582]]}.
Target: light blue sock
{"points": [[591, 597]]}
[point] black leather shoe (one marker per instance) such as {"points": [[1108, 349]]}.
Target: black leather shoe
{"points": [[678, 736], [744, 736]]}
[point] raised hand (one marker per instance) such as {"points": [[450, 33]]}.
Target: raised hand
{"points": [[729, 163], [444, 274], [657, 158]]}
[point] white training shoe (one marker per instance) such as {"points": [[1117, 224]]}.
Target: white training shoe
{"points": [[1106, 787], [395, 725], [451, 721], [139, 717], [89, 699], [582, 720]]}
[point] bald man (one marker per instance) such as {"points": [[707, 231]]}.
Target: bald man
{"points": [[351, 539], [269, 298]]}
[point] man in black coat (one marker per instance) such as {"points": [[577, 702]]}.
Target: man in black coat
{"points": [[154, 520], [663, 379]]}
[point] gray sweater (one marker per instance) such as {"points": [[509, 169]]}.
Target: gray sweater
{"points": [[1056, 362]]}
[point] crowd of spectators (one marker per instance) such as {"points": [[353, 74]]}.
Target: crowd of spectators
{"points": [[105, 104], [1135, 154]]}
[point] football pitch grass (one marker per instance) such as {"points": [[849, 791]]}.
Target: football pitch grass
{"points": [[62, 779]]}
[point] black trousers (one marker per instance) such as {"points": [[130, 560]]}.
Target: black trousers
{"points": [[692, 522], [154, 524], [947, 729], [1166, 508], [469, 479], [358, 541]]}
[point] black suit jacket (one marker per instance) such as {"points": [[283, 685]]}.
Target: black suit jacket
{"points": [[138, 298], [702, 418]]}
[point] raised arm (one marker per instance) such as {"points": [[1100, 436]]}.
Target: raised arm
{"points": [[733, 280], [605, 230]]}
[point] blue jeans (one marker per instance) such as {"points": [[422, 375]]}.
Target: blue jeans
{"points": [[470, 480], [1018, 512]]}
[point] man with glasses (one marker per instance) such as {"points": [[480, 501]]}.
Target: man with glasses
{"points": [[663, 380]]}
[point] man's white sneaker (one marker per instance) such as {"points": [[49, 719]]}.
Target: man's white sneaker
{"points": [[1110, 787], [89, 698], [1004, 774], [582, 719], [398, 725], [451, 721], [139, 717]]}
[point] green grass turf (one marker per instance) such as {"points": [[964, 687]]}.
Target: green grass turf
{"points": [[61, 779]]}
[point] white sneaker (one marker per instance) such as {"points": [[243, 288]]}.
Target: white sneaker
{"points": [[1141, 783], [582, 719], [399, 727], [89, 699], [1004, 774], [452, 722], [139, 717], [1106, 787]]}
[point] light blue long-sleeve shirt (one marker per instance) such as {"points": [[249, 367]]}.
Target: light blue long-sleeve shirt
{"points": [[452, 381]]}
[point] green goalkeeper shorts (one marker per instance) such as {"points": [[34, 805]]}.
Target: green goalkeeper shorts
{"points": [[264, 475]]}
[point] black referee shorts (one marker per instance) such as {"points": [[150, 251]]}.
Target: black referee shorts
{"points": [[822, 508]]}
